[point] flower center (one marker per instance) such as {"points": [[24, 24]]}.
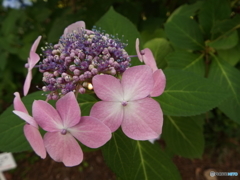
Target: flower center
{"points": [[64, 132], [78, 57], [124, 103]]}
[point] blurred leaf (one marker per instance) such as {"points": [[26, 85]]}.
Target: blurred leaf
{"points": [[187, 94], [3, 60], [226, 41], [228, 77], [213, 11], [154, 33], [187, 134], [12, 138], [184, 32], [232, 56], [160, 48], [134, 160], [186, 61], [186, 10], [86, 101], [116, 24]]}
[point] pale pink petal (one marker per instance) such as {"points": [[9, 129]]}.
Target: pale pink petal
{"points": [[110, 113], [140, 57], [149, 59], [33, 60], [35, 44], [74, 27], [159, 83], [27, 83], [143, 119], [63, 148], [46, 116], [107, 88], [91, 132], [137, 82], [18, 104], [26, 117], [35, 140], [69, 110]]}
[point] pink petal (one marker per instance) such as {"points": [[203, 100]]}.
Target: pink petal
{"points": [[35, 44], [91, 132], [63, 148], [137, 82], [149, 60], [26, 117], [143, 119], [110, 113], [46, 116], [69, 110], [74, 27], [159, 83], [33, 60], [27, 82], [107, 88], [18, 104], [140, 57], [35, 139]]}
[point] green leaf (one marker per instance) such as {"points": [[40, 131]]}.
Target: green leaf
{"points": [[134, 160], [116, 24], [228, 77], [186, 10], [160, 48], [232, 56], [186, 61], [226, 41], [185, 33], [187, 94], [3, 60], [12, 138], [86, 101], [187, 133], [213, 11], [151, 34]]}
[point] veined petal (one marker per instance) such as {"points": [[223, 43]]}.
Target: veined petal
{"points": [[149, 59], [35, 140], [46, 116], [26, 117], [140, 57], [18, 104], [35, 44], [107, 88], [110, 113], [27, 82], [91, 132], [63, 148], [143, 119], [69, 110], [159, 83], [74, 27], [137, 82]]}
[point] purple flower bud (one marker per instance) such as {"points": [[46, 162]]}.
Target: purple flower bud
{"points": [[76, 72]]}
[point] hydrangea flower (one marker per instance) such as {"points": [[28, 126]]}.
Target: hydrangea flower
{"points": [[126, 103], [65, 123], [32, 61], [31, 128], [79, 55], [147, 57], [16, 4]]}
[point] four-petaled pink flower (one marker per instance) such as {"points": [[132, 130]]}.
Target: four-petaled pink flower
{"points": [[126, 103], [65, 123], [147, 57], [32, 61], [31, 128]]}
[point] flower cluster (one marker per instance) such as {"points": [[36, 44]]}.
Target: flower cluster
{"points": [[16, 4], [82, 58]]}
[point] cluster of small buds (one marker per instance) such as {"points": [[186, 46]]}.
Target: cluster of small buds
{"points": [[71, 64]]}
